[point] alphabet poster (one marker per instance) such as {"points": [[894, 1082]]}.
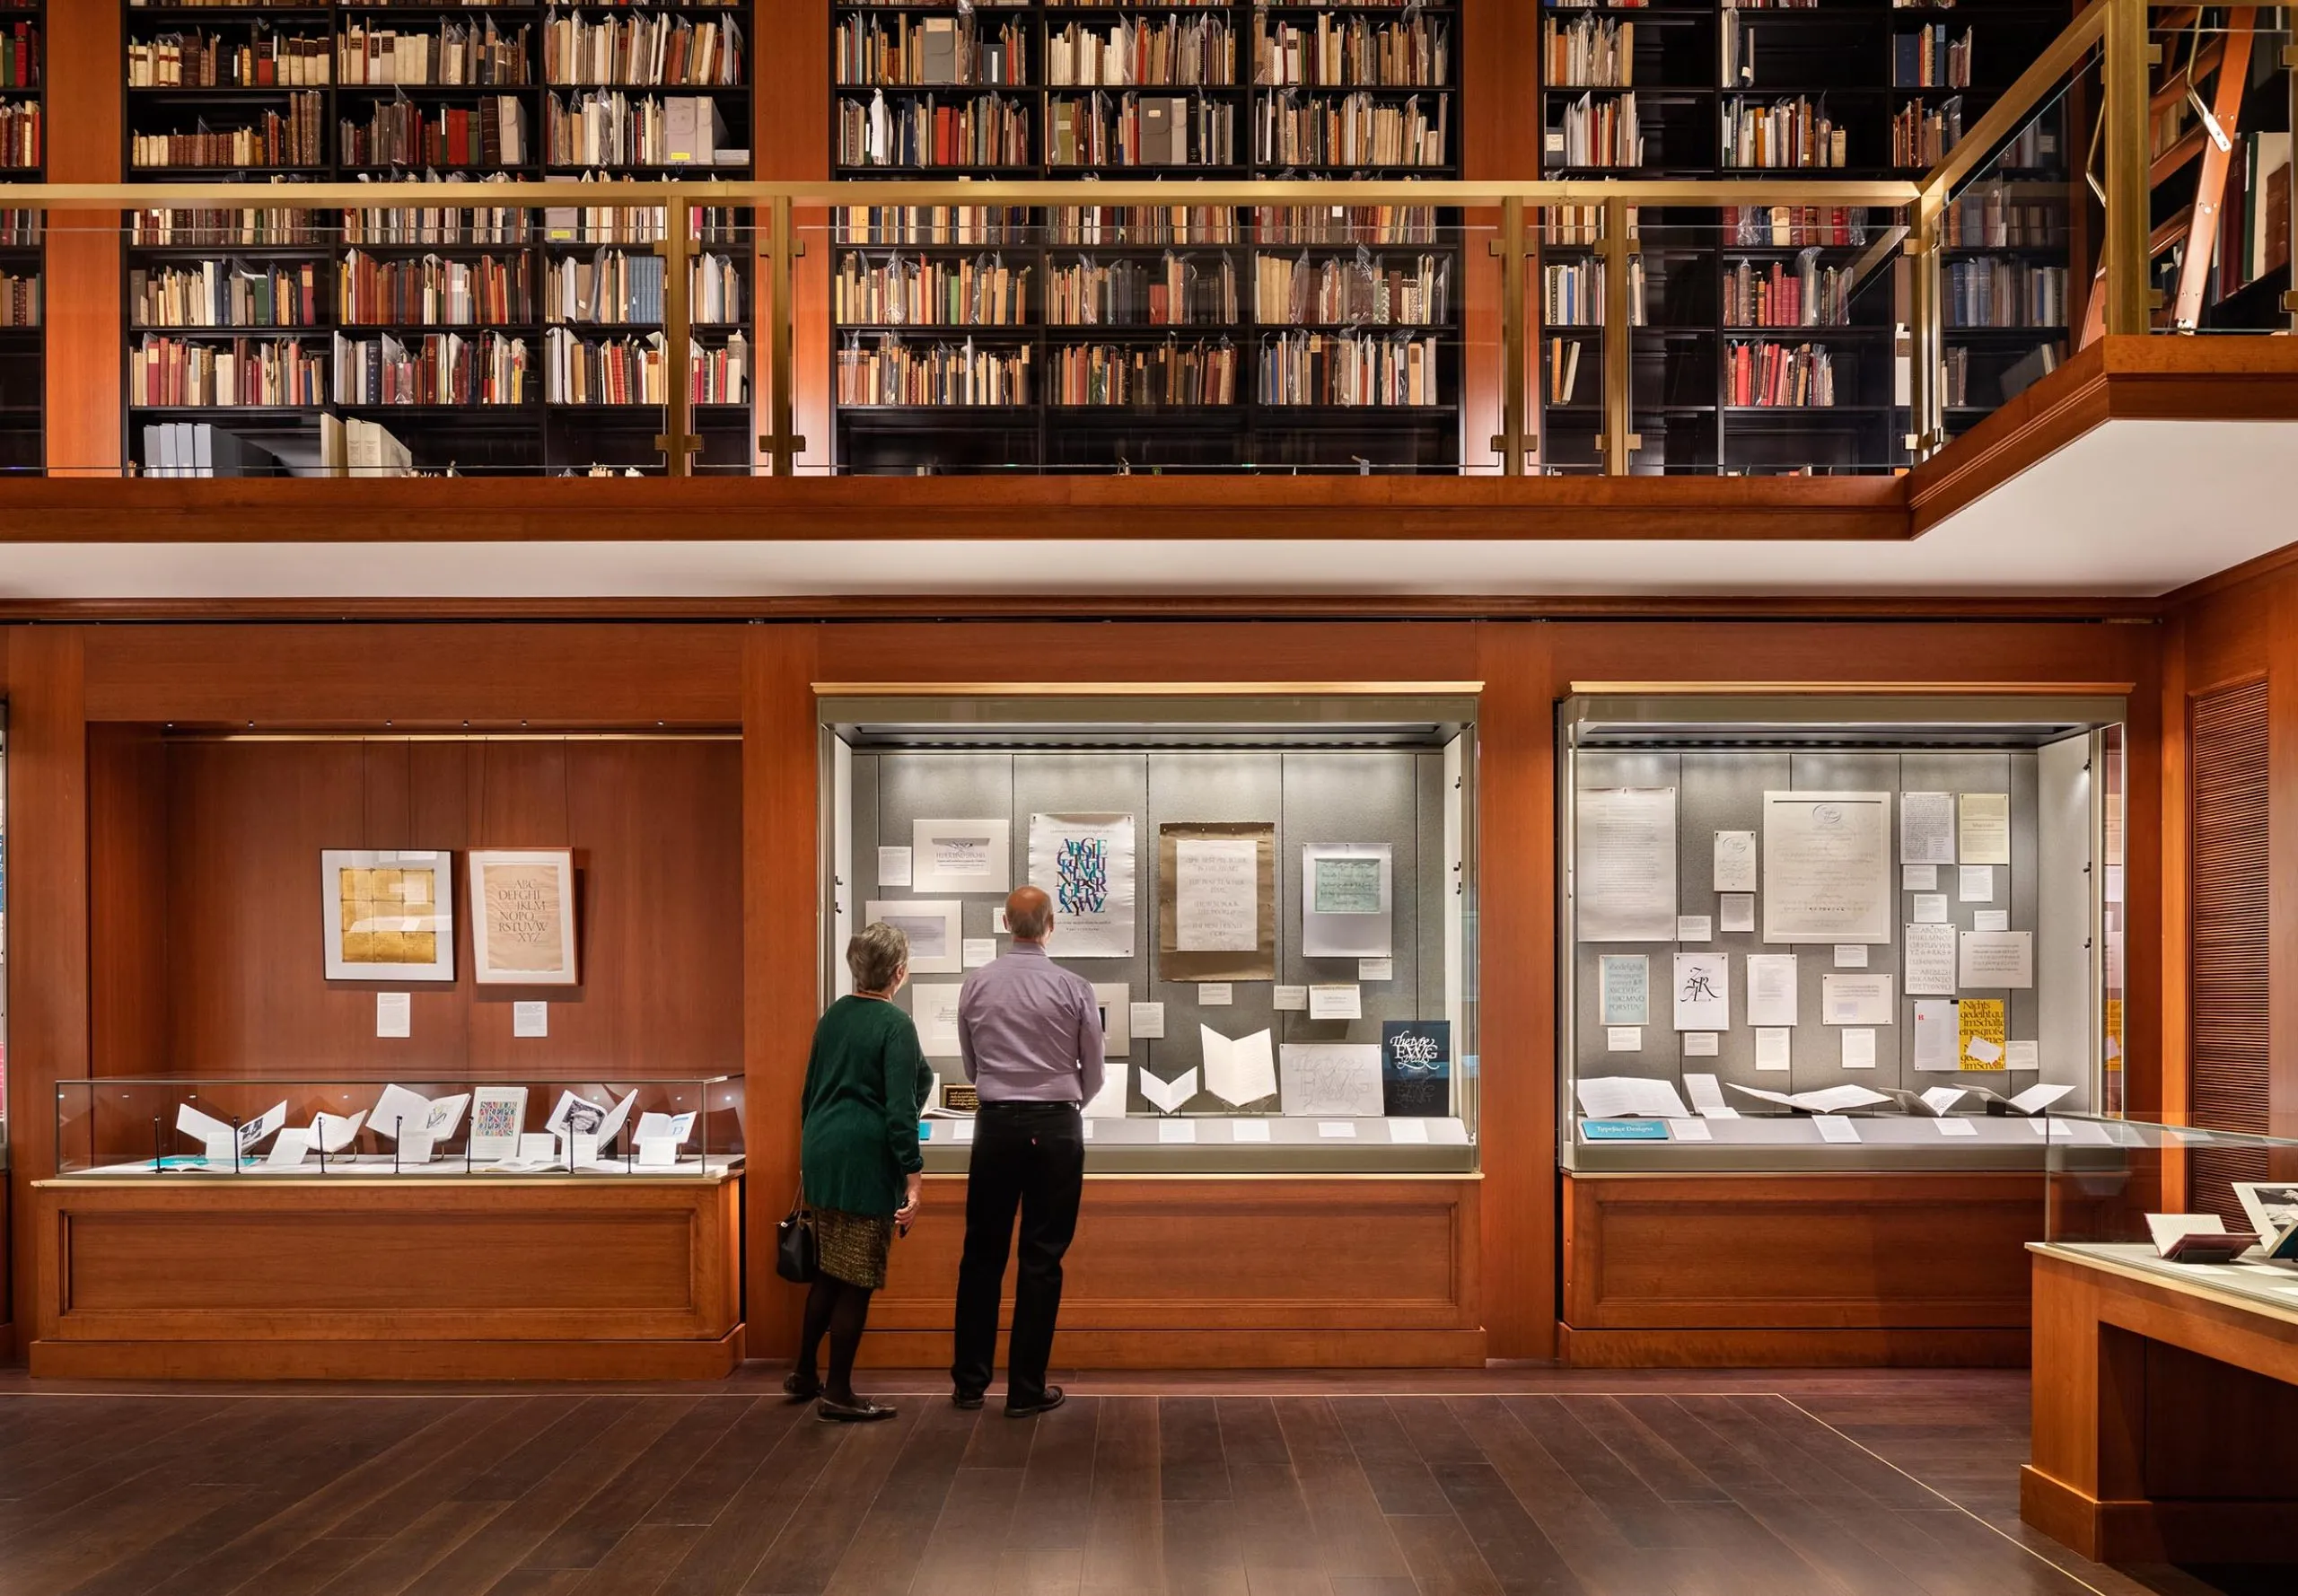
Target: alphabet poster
{"points": [[1086, 863], [522, 917]]}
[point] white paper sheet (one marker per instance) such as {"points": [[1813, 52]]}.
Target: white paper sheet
{"points": [[1771, 989], [1937, 1034], [1624, 864], [1736, 911], [933, 925], [530, 1017], [1629, 1097], [1707, 1096], [1851, 955], [1239, 1071], [1827, 867], [2023, 1056], [1407, 1133], [1115, 1000], [1690, 1130], [1835, 1128], [1216, 995], [1376, 969], [1930, 952], [1289, 1000], [1623, 1039], [1998, 959], [1990, 919], [893, 867], [962, 855], [1927, 828], [1941, 1100], [1167, 1096], [1975, 884], [1983, 827], [1694, 928], [1086, 863], [1702, 1044], [332, 1133], [979, 950], [1955, 1126], [1345, 901], [1930, 908], [2035, 1099], [1735, 862], [1176, 1132], [394, 1014], [933, 1009], [1329, 1079], [1856, 999], [1250, 1130], [1703, 991], [1858, 1048], [1342, 1000], [1624, 987], [1918, 877], [289, 1151], [1344, 1130], [1217, 904], [1109, 1102], [1984, 1049], [1148, 1020], [1772, 1047]]}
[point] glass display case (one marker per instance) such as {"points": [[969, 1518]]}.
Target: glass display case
{"points": [[1273, 895], [2207, 1208], [1839, 931], [301, 1130]]}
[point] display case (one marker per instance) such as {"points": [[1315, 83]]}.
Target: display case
{"points": [[276, 1130], [1274, 896], [1836, 932]]}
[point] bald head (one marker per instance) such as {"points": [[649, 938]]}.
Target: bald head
{"points": [[1029, 914]]}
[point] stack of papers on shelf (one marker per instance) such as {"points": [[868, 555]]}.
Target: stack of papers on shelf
{"points": [[1833, 1100], [1630, 1097]]}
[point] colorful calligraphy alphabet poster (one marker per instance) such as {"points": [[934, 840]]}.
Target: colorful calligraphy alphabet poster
{"points": [[1086, 863]]}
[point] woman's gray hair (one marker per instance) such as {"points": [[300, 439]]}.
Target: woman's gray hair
{"points": [[874, 954]]}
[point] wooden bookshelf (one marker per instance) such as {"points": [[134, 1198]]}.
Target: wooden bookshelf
{"points": [[24, 317], [520, 119], [1136, 394], [1849, 75]]}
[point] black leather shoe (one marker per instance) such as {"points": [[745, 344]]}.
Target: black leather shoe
{"points": [[965, 1401], [1054, 1397], [802, 1385], [862, 1411]]}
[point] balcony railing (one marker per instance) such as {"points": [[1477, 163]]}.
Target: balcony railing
{"points": [[1471, 328]]}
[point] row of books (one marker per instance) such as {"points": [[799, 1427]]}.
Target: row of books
{"points": [[1133, 129], [20, 300], [1578, 224], [983, 130], [1348, 368], [271, 372], [1572, 293], [293, 137], [929, 51], [1792, 227], [2005, 293], [643, 51], [1361, 291], [889, 371], [403, 132], [1355, 130], [1928, 58], [2014, 378], [609, 128], [1785, 133], [1587, 53], [476, 52], [1598, 133], [1991, 218], [1762, 374], [1204, 373], [261, 227], [1176, 290], [223, 293], [201, 448], [1563, 369], [1355, 52], [1172, 49], [213, 61], [929, 291], [269, 226], [399, 291], [20, 57], [1922, 135], [634, 370], [442, 368], [1119, 226], [1803, 294]]}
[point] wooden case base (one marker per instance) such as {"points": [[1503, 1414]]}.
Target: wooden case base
{"points": [[421, 1278], [1173, 1273]]}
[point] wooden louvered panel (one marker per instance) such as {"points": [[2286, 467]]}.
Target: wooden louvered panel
{"points": [[2227, 951]]}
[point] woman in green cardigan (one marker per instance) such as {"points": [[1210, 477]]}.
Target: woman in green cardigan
{"points": [[866, 1084]]}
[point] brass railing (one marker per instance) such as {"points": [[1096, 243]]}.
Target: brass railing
{"points": [[783, 213]]}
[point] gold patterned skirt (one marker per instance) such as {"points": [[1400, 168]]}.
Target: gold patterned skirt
{"points": [[853, 1247]]}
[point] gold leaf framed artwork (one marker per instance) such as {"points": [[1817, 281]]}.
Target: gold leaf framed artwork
{"points": [[522, 917], [389, 914]]}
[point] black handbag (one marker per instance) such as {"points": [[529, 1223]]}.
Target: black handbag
{"points": [[794, 1254]]}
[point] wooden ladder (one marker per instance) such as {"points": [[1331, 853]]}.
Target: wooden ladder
{"points": [[2226, 57]]}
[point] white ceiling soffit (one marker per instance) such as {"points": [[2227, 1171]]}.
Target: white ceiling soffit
{"points": [[2132, 509]]}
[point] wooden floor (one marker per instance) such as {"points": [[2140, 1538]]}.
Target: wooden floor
{"points": [[1509, 1481]]}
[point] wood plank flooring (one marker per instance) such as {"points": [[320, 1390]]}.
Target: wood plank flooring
{"points": [[1681, 1483]]}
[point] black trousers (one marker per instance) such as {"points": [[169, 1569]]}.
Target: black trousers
{"points": [[1029, 1157]]}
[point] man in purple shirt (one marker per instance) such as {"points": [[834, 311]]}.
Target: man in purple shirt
{"points": [[1030, 1032]]}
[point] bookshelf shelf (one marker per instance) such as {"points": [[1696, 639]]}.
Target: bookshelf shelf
{"points": [[1226, 130], [507, 126], [23, 348]]}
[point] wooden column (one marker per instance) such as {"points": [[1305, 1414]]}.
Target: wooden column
{"points": [[85, 310], [781, 954], [1514, 868], [47, 962], [791, 127]]}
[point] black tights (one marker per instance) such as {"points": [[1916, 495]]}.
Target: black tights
{"points": [[837, 1309]]}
